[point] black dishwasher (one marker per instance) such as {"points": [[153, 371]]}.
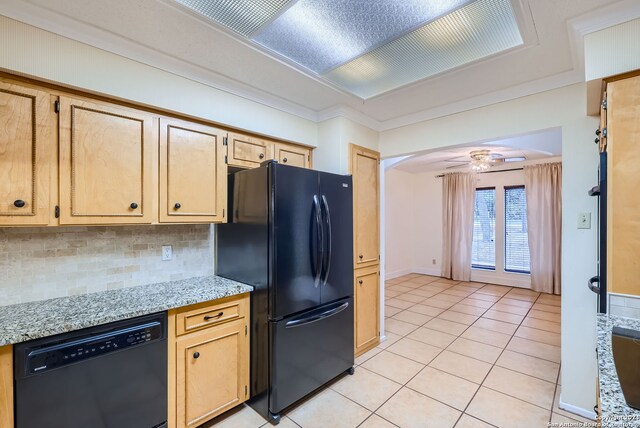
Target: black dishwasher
{"points": [[108, 376]]}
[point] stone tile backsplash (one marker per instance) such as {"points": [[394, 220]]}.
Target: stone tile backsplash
{"points": [[43, 263], [624, 306]]}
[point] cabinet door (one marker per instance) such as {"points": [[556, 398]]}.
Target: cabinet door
{"points": [[193, 173], [212, 372], [292, 155], [367, 314], [248, 152], [26, 155], [623, 182], [107, 168], [366, 206]]}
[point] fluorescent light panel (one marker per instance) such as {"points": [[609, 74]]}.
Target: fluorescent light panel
{"points": [[323, 34], [478, 30], [242, 16]]}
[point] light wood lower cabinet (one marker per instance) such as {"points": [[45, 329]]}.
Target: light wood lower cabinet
{"points": [[6, 386], [193, 173], [208, 360], [367, 309], [107, 155], [27, 150]]}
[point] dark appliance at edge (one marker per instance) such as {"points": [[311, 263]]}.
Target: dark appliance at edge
{"points": [[290, 235], [598, 283]]}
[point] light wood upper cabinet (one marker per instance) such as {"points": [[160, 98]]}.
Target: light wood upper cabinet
{"points": [[367, 309], [193, 173], [27, 150], [366, 206], [289, 154], [107, 155], [623, 181], [248, 152]]}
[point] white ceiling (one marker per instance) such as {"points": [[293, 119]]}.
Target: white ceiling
{"points": [[533, 146], [167, 35]]}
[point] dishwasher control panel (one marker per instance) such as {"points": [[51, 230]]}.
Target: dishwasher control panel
{"points": [[50, 357]]}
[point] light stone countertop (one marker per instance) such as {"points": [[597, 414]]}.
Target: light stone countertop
{"points": [[615, 412], [33, 320]]}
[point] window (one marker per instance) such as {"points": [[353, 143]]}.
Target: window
{"points": [[484, 230], [516, 240]]}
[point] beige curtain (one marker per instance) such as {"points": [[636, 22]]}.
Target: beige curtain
{"points": [[543, 187], [458, 194]]}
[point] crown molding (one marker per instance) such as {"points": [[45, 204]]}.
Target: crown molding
{"points": [[110, 42], [349, 113]]}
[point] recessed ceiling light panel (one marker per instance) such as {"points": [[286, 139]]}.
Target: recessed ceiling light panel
{"points": [[473, 32], [323, 34], [242, 16]]}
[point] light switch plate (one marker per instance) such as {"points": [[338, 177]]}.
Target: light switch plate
{"points": [[167, 252], [584, 221]]}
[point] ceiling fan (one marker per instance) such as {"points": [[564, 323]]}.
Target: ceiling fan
{"points": [[482, 160]]}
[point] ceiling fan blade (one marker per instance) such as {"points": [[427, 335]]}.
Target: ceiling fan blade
{"points": [[457, 166]]}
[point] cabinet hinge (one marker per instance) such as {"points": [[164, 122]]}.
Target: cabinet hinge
{"points": [[223, 213], [56, 106], [246, 390], [245, 330], [226, 159], [56, 211], [225, 141], [604, 104]]}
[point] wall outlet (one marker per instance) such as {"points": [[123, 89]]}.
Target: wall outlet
{"points": [[433, 261], [167, 252], [584, 221]]}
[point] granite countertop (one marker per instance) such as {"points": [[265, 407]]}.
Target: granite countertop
{"points": [[33, 320], [613, 408]]}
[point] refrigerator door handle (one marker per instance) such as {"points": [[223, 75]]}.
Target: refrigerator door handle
{"points": [[319, 242], [592, 287], [327, 255], [317, 317]]}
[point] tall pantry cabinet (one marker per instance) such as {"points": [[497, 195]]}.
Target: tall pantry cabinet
{"points": [[621, 119], [365, 168]]}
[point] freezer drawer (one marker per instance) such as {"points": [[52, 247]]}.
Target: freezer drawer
{"points": [[309, 350]]}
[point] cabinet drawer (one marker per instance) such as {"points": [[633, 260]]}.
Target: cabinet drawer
{"points": [[205, 315], [248, 152]]}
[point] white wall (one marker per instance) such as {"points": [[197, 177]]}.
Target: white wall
{"points": [[427, 224], [398, 223], [31, 51], [564, 108], [334, 137]]}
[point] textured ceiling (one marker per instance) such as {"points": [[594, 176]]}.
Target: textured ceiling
{"points": [[185, 37]]}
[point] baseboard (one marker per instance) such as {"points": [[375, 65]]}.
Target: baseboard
{"points": [[589, 414], [397, 273], [427, 271], [492, 278]]}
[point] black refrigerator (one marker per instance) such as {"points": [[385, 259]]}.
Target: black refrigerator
{"points": [[598, 283], [290, 235]]}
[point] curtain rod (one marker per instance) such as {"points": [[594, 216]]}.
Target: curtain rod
{"points": [[490, 172]]}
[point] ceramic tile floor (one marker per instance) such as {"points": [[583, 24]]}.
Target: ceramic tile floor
{"points": [[457, 354]]}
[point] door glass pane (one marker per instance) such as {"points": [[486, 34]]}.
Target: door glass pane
{"points": [[516, 239], [484, 230]]}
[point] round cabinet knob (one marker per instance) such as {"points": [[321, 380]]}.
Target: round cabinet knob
{"points": [[196, 355], [133, 206], [177, 206], [360, 256], [19, 203], [360, 282], [284, 160], [261, 156], [598, 131]]}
